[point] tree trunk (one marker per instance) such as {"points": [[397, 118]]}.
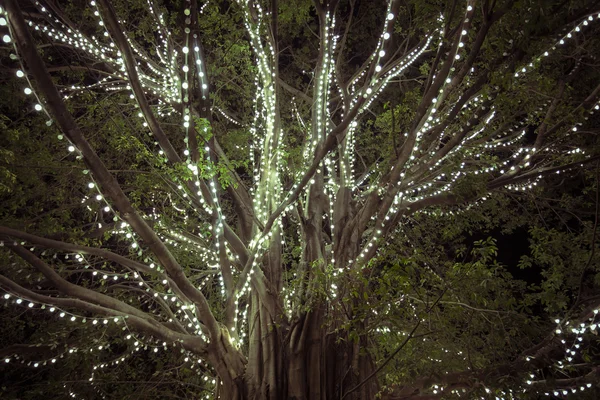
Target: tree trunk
{"points": [[299, 363]]}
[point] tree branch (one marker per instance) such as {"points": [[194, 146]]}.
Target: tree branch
{"points": [[116, 31], [73, 290], [124, 261], [107, 182], [189, 342]]}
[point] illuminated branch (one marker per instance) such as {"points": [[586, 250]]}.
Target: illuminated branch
{"points": [[427, 104], [391, 220], [488, 21], [388, 191], [134, 81], [107, 182], [124, 261], [591, 376], [153, 123], [73, 290], [586, 104], [328, 144], [189, 342]]}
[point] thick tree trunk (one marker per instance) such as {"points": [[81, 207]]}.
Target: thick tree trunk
{"points": [[299, 363], [265, 372]]}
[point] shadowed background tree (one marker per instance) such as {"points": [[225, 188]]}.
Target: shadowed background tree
{"points": [[299, 200]]}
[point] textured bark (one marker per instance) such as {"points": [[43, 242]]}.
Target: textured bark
{"points": [[302, 363]]}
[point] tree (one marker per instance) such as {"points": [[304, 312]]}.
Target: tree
{"points": [[277, 196]]}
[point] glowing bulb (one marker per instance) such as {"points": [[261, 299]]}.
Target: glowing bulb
{"points": [[27, 90], [38, 107], [20, 74], [6, 39]]}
